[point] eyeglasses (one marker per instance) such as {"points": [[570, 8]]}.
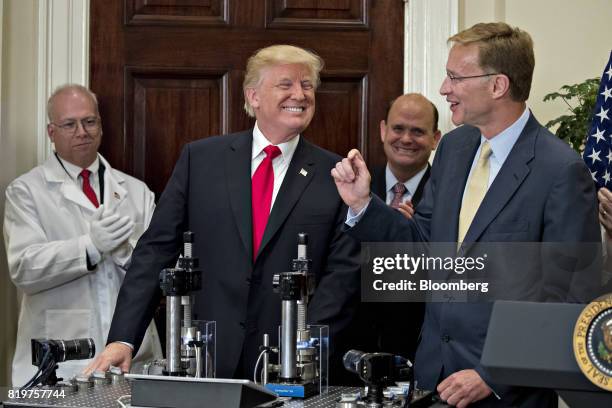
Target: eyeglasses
{"points": [[90, 125], [454, 79]]}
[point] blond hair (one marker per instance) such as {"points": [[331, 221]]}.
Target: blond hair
{"points": [[278, 55], [504, 49]]}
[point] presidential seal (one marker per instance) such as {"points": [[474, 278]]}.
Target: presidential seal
{"points": [[593, 342]]}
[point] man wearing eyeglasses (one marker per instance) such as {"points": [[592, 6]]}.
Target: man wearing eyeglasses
{"points": [[501, 177], [70, 225]]}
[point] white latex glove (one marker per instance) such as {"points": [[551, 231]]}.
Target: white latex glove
{"points": [[122, 254], [108, 230]]}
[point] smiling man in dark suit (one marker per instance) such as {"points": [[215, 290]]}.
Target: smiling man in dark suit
{"points": [[502, 177], [246, 196], [409, 134]]}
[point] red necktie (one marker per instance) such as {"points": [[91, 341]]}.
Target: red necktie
{"points": [[262, 185], [87, 188], [399, 189]]}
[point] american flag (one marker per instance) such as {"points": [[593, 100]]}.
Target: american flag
{"points": [[598, 150]]}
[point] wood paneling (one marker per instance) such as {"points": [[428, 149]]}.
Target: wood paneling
{"points": [[342, 14], [166, 73], [176, 12], [340, 104], [160, 109]]}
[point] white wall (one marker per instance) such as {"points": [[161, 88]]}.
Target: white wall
{"points": [[428, 24], [43, 44], [572, 40], [17, 138]]}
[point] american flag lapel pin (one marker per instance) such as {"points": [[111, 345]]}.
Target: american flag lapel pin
{"points": [[303, 172]]}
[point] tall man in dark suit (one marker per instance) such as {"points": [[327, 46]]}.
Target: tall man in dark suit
{"points": [[409, 134], [501, 177], [246, 196]]}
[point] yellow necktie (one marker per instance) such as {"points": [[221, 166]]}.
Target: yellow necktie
{"points": [[475, 191]]}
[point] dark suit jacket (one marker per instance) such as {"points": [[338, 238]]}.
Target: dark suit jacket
{"points": [[542, 193], [209, 193], [390, 327]]}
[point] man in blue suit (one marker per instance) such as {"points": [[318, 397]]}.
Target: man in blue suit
{"points": [[501, 177]]}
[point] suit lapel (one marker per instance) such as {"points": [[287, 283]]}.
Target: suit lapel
{"points": [[299, 174], [510, 177], [416, 197], [453, 193], [379, 183], [55, 173], [72, 193], [114, 193], [238, 170]]}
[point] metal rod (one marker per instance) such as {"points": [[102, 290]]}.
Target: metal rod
{"points": [[288, 340], [302, 245], [302, 251], [198, 355], [198, 359], [266, 359], [173, 330]]}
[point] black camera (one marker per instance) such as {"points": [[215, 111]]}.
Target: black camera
{"points": [[378, 370], [44, 350], [47, 353]]}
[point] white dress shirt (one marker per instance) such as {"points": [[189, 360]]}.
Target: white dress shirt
{"points": [[280, 164], [501, 145]]}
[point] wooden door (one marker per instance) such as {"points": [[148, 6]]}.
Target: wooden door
{"points": [[167, 72]]}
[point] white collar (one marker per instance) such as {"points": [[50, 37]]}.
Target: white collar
{"points": [[74, 171], [260, 142], [411, 185], [502, 143]]}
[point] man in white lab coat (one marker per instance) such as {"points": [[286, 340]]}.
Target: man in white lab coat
{"points": [[70, 225]]}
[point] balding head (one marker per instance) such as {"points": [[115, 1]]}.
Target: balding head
{"points": [[74, 124], [74, 89], [417, 99], [409, 134]]}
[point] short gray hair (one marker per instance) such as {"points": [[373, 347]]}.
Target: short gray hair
{"points": [[70, 88]]}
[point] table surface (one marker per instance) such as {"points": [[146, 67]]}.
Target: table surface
{"points": [[106, 396]]}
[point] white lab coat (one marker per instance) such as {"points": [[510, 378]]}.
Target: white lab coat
{"points": [[46, 230]]}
